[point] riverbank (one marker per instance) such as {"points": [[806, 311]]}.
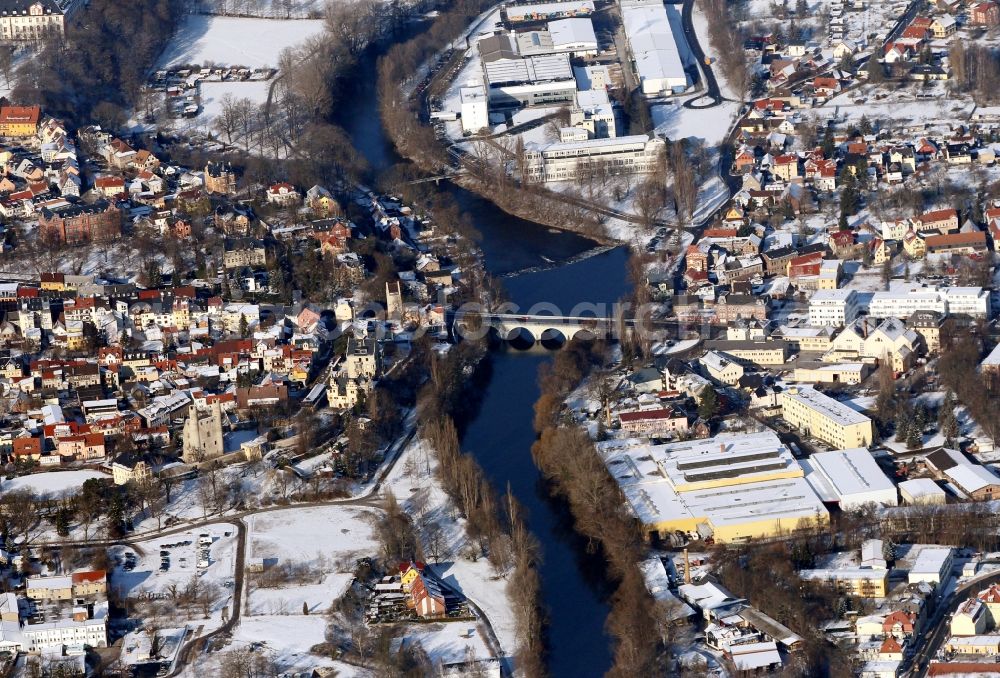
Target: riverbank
{"points": [[427, 56]]}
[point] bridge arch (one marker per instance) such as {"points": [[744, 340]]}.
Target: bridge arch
{"points": [[552, 338], [520, 338]]}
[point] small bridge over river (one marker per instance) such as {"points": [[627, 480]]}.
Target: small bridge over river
{"points": [[548, 330]]}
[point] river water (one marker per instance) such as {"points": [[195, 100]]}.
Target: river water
{"points": [[500, 436]]}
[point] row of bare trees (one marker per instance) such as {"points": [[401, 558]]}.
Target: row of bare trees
{"points": [[727, 43], [566, 456], [494, 525], [976, 69]]}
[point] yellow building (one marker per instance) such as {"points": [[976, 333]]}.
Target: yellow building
{"points": [[928, 325], [969, 619], [732, 487], [39, 20], [914, 246], [854, 581], [752, 353], [819, 415], [983, 645], [140, 472], [839, 373], [19, 121], [990, 598]]}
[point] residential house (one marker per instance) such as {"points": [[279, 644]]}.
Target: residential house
{"points": [[283, 194]]}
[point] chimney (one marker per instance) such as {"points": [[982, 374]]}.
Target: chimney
{"points": [[687, 567], [864, 328], [722, 447]]}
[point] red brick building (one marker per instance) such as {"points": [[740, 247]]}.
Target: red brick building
{"points": [[985, 14], [99, 222]]}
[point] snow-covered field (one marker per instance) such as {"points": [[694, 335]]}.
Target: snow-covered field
{"points": [[234, 41], [286, 639], [52, 485], [710, 125], [212, 94], [317, 597], [448, 643], [304, 534]]}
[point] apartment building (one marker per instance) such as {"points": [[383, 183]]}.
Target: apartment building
{"points": [[98, 222], [834, 308], [819, 415], [562, 161], [902, 300], [852, 581]]}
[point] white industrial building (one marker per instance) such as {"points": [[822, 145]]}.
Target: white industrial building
{"points": [[594, 113], [514, 80], [731, 487], [654, 49], [562, 161], [475, 109], [834, 308], [933, 565], [903, 299], [575, 37], [592, 77], [853, 477]]}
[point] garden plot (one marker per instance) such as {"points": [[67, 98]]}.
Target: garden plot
{"points": [[309, 555], [308, 534]]}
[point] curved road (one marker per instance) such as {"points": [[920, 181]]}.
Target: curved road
{"points": [[711, 84]]}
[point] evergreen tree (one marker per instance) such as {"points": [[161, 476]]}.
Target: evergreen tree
{"points": [[947, 422], [708, 405], [903, 424], [889, 550]]}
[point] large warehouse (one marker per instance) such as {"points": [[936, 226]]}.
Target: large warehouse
{"points": [[852, 478], [731, 487], [654, 49]]}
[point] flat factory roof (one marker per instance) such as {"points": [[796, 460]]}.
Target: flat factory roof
{"points": [[653, 44], [852, 471]]}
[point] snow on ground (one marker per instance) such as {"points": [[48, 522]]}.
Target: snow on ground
{"points": [[235, 41], [917, 111], [317, 597], [148, 579], [304, 534], [52, 485], [700, 23], [418, 491], [211, 96], [286, 639], [710, 125], [447, 643], [712, 195]]}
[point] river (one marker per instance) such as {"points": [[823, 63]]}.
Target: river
{"points": [[500, 436]]}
